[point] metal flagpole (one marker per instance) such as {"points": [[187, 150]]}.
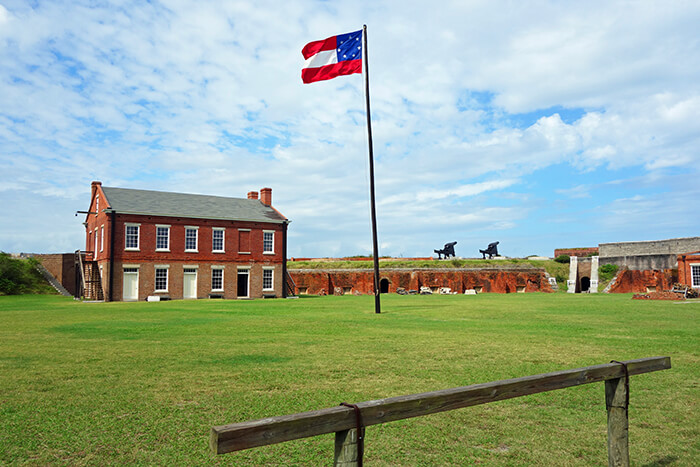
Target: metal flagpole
{"points": [[365, 69]]}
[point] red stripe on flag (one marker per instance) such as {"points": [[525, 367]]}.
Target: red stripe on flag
{"points": [[312, 48], [310, 75]]}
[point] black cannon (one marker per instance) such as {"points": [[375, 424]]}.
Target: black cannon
{"points": [[448, 250], [491, 250]]}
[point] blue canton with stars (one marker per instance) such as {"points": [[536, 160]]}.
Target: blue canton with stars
{"points": [[349, 46]]}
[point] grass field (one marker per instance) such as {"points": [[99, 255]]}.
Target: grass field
{"points": [[142, 383]]}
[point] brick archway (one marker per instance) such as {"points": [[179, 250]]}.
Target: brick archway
{"points": [[384, 285]]}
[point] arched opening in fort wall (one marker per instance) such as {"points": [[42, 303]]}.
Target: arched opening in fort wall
{"points": [[384, 285], [583, 275]]}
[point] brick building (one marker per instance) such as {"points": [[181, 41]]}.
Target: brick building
{"points": [[689, 269], [142, 243]]}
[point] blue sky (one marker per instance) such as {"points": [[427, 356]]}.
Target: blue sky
{"points": [[540, 124]]}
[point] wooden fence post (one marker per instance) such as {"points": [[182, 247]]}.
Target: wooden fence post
{"points": [[616, 403], [348, 451]]}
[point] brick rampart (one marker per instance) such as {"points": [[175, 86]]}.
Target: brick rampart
{"points": [[630, 281], [361, 281]]}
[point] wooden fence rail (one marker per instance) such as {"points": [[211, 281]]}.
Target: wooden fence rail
{"points": [[342, 420]]}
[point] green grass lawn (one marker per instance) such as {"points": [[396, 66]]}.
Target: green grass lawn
{"points": [[143, 383]]}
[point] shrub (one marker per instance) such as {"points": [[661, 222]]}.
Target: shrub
{"points": [[20, 276], [607, 271], [562, 259]]}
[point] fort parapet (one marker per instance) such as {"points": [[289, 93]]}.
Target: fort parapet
{"points": [[650, 255]]}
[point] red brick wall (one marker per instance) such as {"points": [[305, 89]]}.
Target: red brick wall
{"points": [[632, 281], [487, 280], [147, 240], [146, 286], [580, 252], [684, 262], [62, 267]]}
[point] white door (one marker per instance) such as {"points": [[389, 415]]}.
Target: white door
{"points": [[131, 284], [189, 283]]}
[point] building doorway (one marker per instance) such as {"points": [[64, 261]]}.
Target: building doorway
{"points": [[242, 283], [130, 292], [189, 283]]}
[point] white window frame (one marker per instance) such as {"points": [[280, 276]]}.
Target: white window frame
{"points": [[156, 268], [95, 251], [97, 205], [196, 239], [217, 268], [271, 251], [694, 284], [102, 238], [223, 239], [240, 252], [126, 237], [167, 238], [272, 279]]}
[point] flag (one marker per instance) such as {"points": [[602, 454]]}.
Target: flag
{"points": [[335, 56]]}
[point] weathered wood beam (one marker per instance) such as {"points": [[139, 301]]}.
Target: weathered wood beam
{"points": [[245, 435], [616, 404]]}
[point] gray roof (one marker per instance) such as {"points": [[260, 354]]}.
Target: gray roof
{"points": [[160, 203]]}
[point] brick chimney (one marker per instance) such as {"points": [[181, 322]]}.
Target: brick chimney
{"points": [[252, 195], [94, 186], [266, 196]]}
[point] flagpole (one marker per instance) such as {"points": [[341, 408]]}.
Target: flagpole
{"points": [[365, 68]]}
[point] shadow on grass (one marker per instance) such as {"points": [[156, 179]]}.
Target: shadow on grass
{"points": [[666, 460]]}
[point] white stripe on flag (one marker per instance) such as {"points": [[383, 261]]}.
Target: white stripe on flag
{"points": [[323, 58]]}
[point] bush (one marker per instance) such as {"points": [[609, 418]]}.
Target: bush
{"points": [[20, 276], [607, 271], [562, 259]]}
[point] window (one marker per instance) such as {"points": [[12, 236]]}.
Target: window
{"points": [[268, 283], [161, 279], [102, 238], [191, 239], [217, 240], [95, 250], [695, 275], [97, 204], [163, 238], [132, 237], [268, 242], [217, 280], [244, 240]]}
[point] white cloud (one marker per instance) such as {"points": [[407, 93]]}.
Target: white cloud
{"points": [[206, 97], [4, 15]]}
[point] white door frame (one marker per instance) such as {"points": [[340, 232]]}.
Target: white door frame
{"points": [[188, 275], [130, 275]]}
